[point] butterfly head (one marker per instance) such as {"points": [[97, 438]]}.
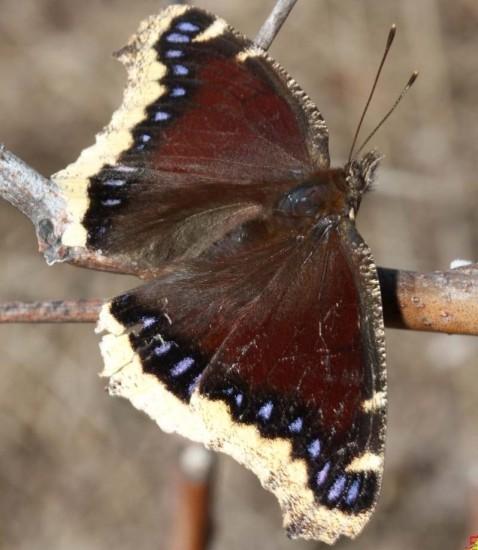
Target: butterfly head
{"points": [[360, 176]]}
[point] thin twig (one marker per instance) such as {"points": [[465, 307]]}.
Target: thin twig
{"points": [[441, 301], [194, 486], [55, 311], [273, 23]]}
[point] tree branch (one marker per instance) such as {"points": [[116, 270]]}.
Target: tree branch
{"points": [[39, 199], [441, 301], [273, 23], [54, 311]]}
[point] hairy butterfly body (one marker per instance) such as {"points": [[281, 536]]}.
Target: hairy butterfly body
{"points": [[262, 333]]}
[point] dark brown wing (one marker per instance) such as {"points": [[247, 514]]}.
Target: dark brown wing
{"points": [[211, 131], [281, 348], [182, 318]]}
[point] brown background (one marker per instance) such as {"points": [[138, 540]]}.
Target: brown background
{"points": [[81, 470]]}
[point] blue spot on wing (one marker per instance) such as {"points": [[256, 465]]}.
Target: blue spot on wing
{"points": [[183, 366], [296, 426], [114, 183], [186, 26], [174, 54], [178, 91], [314, 448], [111, 202], [266, 410], [178, 38], [322, 474], [161, 116], [148, 321], [180, 70], [353, 492], [337, 488], [193, 384], [163, 348]]}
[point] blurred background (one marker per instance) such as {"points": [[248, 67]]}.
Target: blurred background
{"points": [[80, 470]]}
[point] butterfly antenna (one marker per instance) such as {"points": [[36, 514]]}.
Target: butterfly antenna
{"points": [[408, 85], [390, 38]]}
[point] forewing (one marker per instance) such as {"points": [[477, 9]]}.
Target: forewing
{"points": [[209, 133], [297, 390]]}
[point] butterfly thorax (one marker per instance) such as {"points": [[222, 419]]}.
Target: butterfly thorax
{"points": [[335, 192]]}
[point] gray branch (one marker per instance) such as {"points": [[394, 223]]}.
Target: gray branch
{"points": [[39, 198], [274, 22]]}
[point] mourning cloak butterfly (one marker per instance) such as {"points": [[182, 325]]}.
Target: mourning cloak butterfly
{"points": [[262, 335]]}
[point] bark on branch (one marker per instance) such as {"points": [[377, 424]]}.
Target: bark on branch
{"points": [[39, 199], [53, 311], [441, 301]]}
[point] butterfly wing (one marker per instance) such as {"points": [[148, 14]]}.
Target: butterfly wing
{"points": [[297, 390], [278, 350], [161, 336], [210, 132]]}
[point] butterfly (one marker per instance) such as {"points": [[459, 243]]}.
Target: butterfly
{"points": [[260, 332]]}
